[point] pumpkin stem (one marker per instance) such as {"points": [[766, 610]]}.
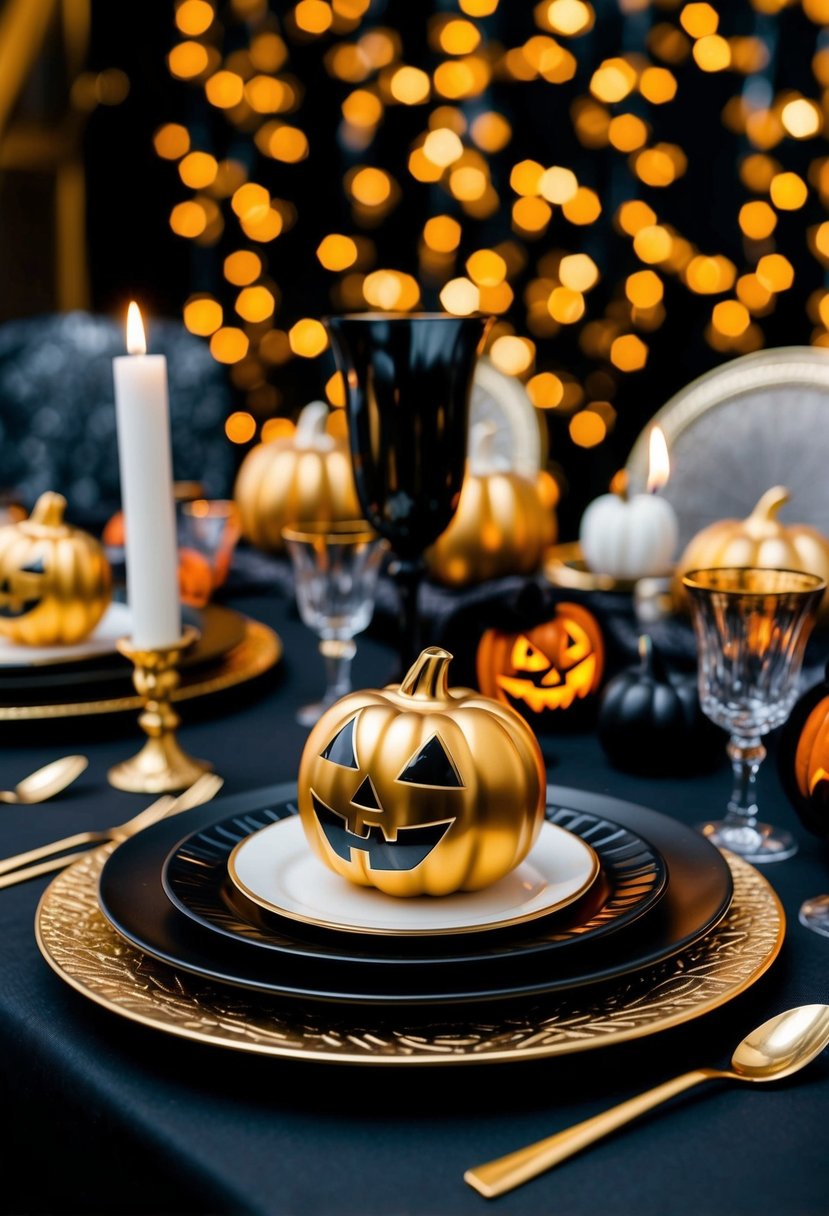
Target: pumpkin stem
{"points": [[310, 427], [49, 510], [653, 664], [427, 678], [771, 502]]}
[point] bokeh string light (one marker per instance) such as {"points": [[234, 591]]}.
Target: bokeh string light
{"points": [[400, 164]]}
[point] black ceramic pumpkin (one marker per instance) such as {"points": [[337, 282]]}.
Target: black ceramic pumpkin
{"points": [[803, 757], [651, 722]]}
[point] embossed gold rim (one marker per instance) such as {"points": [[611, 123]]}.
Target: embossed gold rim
{"points": [[564, 566], [88, 955], [260, 650]]}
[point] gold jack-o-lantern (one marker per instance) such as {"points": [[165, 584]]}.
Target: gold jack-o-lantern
{"points": [[304, 479], [55, 582], [546, 669], [502, 525], [759, 540], [421, 789]]}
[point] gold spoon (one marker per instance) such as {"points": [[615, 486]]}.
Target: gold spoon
{"points": [[47, 781], [778, 1048]]}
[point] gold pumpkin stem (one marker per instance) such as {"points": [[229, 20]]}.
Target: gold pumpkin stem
{"points": [[427, 678], [49, 510], [771, 502]]}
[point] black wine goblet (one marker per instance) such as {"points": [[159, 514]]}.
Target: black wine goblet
{"points": [[408, 383]]}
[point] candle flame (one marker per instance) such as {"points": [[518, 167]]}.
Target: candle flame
{"points": [[659, 464], [136, 341]]}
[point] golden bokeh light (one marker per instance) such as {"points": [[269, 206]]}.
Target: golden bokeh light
{"points": [[652, 243], [240, 427], [188, 219], [224, 89], [486, 268], [531, 215], [461, 78], [172, 141], [335, 390], [820, 239], [699, 20], [308, 338], [410, 86], [242, 267], [731, 318], [313, 16], [660, 165], [801, 118], [546, 390], [442, 147], [478, 8], [255, 304], [337, 252], [788, 191], [627, 132], [712, 53], [442, 233], [657, 85], [558, 185], [267, 96], [391, 290], [188, 60], [512, 355], [198, 169], [460, 297], [629, 353], [459, 37], [752, 293], [370, 186], [229, 345], [496, 299], [468, 183], [275, 347], [277, 428], [525, 178], [362, 108], [613, 80], [644, 289], [267, 52], [710, 275], [263, 227], [757, 171], [288, 144], [578, 271], [635, 215], [194, 17], [251, 202], [567, 17], [202, 315], [775, 272], [757, 220], [565, 305], [491, 131], [587, 429]]}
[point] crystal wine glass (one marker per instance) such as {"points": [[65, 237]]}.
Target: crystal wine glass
{"points": [[409, 380], [335, 574], [751, 626]]}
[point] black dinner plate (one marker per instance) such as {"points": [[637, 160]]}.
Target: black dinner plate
{"points": [[220, 629], [632, 880], [133, 899]]}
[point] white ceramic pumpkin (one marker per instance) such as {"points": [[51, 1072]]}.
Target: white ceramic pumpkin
{"points": [[629, 539]]}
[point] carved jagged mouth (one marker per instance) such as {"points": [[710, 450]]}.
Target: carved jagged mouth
{"points": [[537, 697], [12, 606], [409, 850]]}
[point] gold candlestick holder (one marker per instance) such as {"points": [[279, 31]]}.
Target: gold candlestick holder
{"points": [[161, 766]]}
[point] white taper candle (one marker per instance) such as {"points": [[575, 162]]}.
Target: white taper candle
{"points": [[145, 461]]}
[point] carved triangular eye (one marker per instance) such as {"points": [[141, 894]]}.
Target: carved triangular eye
{"points": [[341, 748], [431, 766], [526, 657], [35, 567]]}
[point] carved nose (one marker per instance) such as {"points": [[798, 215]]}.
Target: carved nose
{"points": [[366, 796], [552, 677]]}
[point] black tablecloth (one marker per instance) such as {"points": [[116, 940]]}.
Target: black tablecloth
{"points": [[105, 1116]]}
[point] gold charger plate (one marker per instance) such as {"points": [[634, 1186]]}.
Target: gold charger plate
{"points": [[79, 944], [259, 651]]}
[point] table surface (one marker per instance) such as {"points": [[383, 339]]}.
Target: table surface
{"points": [[107, 1116]]}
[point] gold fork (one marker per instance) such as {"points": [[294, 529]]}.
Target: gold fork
{"points": [[18, 868]]}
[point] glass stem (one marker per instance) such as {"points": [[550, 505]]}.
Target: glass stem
{"points": [[338, 655], [408, 576], [746, 756]]}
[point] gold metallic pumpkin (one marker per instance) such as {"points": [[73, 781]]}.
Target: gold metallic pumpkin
{"points": [[760, 540], [55, 582], [304, 479], [502, 525], [421, 789]]}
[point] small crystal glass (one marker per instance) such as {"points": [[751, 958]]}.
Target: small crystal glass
{"points": [[208, 532], [335, 572], [752, 626]]}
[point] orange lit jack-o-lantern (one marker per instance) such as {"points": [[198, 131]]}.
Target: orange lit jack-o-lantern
{"points": [[421, 789], [545, 669], [803, 756]]}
